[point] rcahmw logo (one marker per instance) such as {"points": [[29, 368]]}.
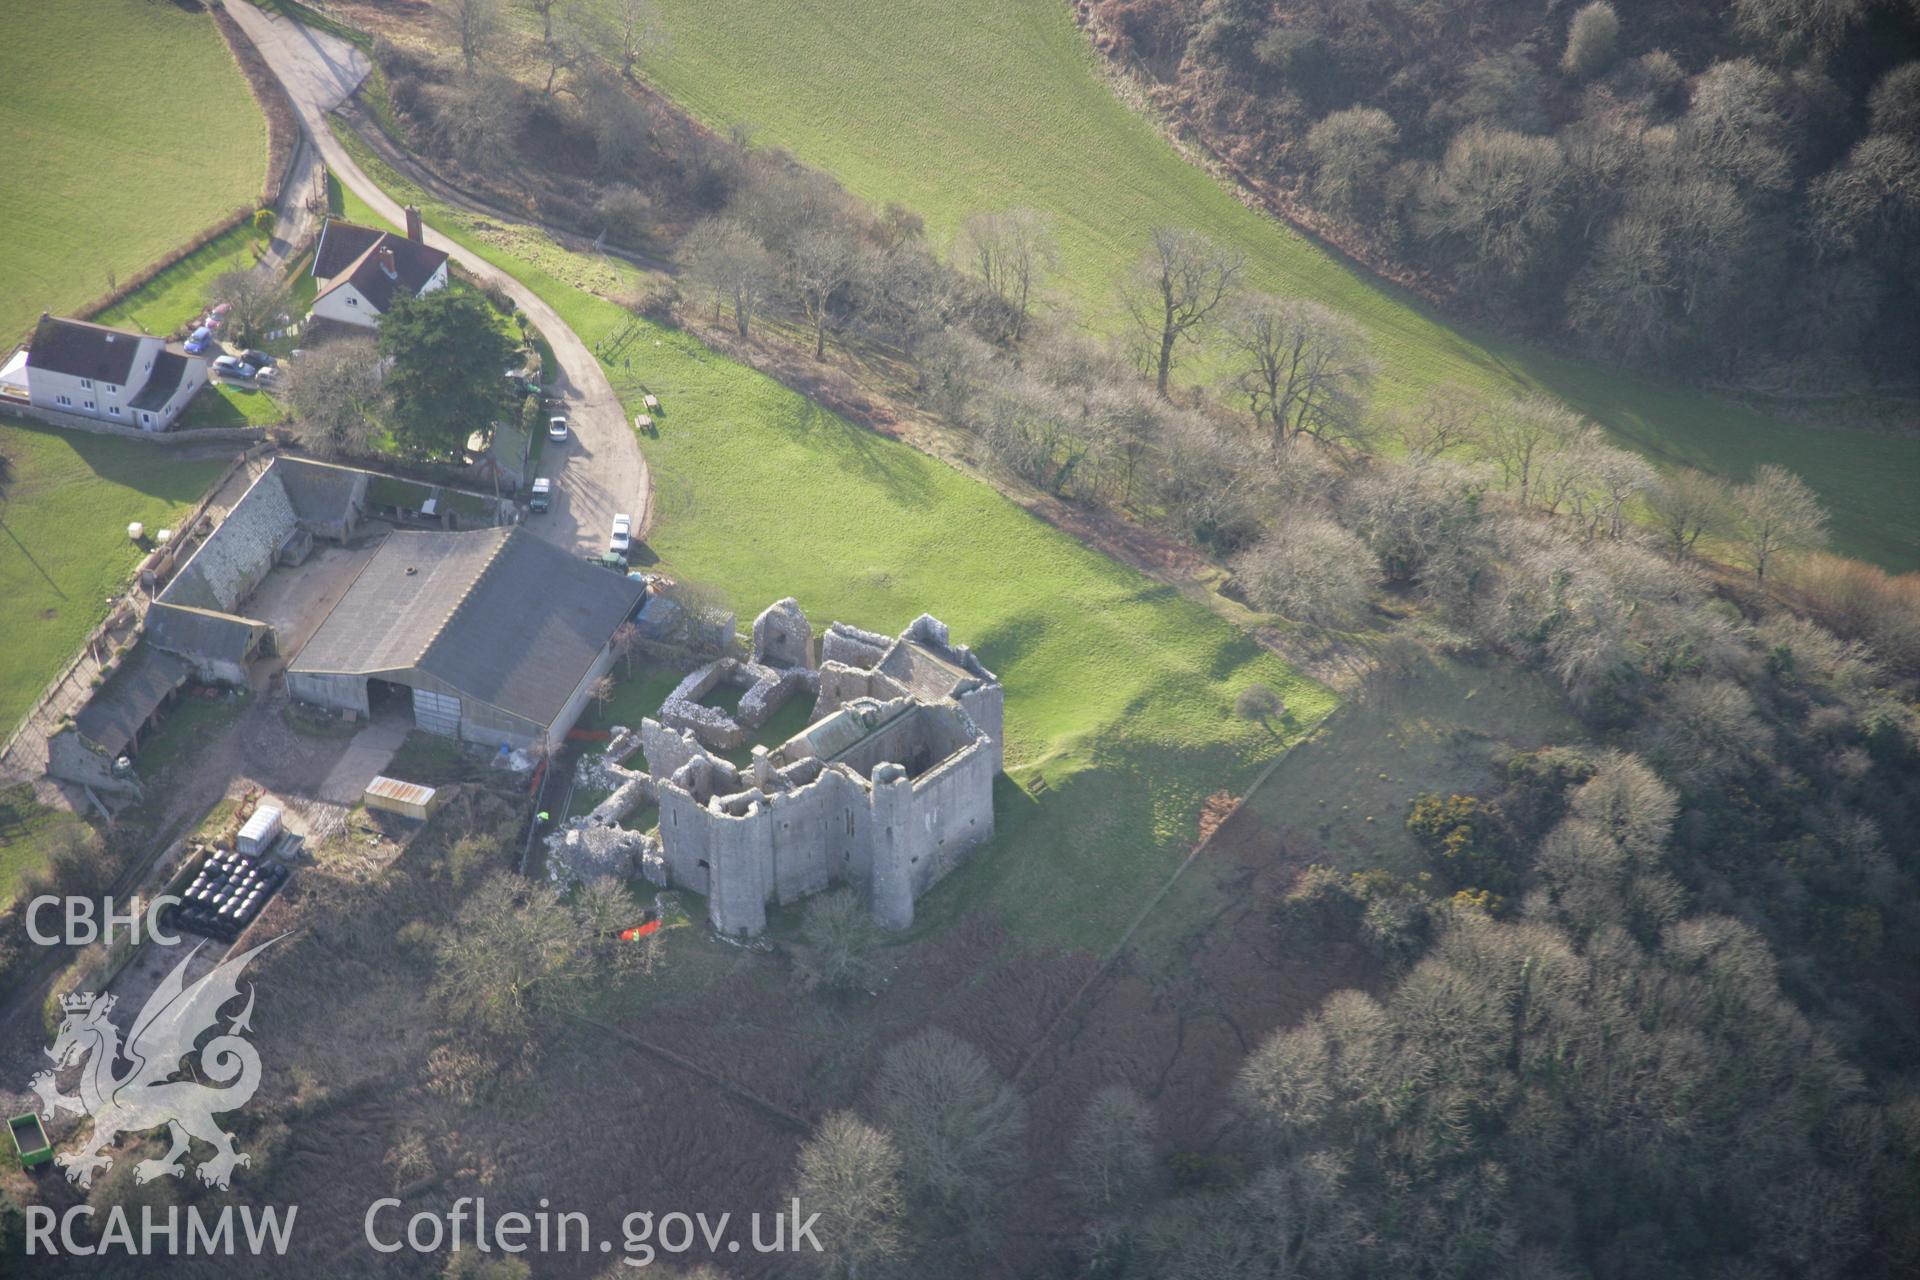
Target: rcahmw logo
{"points": [[148, 1095]]}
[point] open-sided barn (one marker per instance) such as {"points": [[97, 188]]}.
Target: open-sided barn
{"points": [[492, 636]]}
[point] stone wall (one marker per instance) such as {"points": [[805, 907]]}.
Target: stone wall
{"points": [[70, 759], [893, 814], [239, 554]]}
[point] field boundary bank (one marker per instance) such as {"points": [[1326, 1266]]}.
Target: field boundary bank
{"points": [[1105, 967], [283, 125], [686, 1064]]}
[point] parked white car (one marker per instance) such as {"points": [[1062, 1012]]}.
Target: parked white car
{"points": [[622, 535]]}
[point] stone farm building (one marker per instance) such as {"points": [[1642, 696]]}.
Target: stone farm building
{"points": [[887, 789], [205, 624], [75, 368], [490, 635], [198, 626], [360, 270]]}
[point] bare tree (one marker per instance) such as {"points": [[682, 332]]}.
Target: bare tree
{"points": [[601, 691], [736, 268], [850, 1174], [960, 1129], [333, 393], [1894, 105], [479, 119], [1311, 570], [1259, 702], [821, 261], [841, 937], [1110, 1156], [476, 23], [1182, 280], [626, 641], [512, 958], [1520, 436], [569, 45], [1499, 195], [1738, 126], [1303, 369], [1776, 513], [1686, 506], [1798, 26], [545, 9], [1011, 250], [1351, 150], [637, 29], [1449, 417], [1873, 197], [255, 299]]}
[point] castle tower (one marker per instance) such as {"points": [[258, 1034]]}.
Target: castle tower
{"points": [[892, 887], [740, 857]]}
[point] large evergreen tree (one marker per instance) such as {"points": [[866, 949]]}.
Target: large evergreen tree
{"points": [[448, 354]]}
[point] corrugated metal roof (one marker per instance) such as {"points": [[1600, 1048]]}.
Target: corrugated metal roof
{"points": [[498, 614], [400, 601], [400, 792]]}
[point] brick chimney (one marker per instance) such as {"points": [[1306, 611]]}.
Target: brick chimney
{"points": [[386, 263], [415, 232]]}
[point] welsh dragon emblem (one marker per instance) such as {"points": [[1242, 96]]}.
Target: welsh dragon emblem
{"points": [[147, 1095]]}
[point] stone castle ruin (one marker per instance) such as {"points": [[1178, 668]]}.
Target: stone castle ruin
{"points": [[887, 789]]}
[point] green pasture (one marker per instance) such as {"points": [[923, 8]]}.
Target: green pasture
{"points": [[66, 499], [1119, 690], [981, 104], [129, 131]]}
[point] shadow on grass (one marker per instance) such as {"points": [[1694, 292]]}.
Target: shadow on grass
{"points": [[141, 467], [897, 467]]}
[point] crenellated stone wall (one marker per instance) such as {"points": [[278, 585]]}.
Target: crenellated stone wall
{"points": [[888, 788]]}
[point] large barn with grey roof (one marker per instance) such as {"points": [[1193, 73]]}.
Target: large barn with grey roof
{"points": [[489, 635]]}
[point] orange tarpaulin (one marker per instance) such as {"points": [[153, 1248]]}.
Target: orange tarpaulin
{"points": [[639, 931]]}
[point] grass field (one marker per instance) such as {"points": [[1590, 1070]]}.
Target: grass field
{"points": [[1119, 690], [65, 502], [991, 103], [29, 834], [129, 130], [179, 293]]}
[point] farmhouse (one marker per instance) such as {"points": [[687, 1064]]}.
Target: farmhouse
{"points": [[360, 270], [888, 789], [80, 369], [486, 635]]}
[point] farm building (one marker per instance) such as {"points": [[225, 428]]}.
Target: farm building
{"points": [[81, 369], [360, 270], [487, 635], [198, 615], [406, 799], [115, 719]]}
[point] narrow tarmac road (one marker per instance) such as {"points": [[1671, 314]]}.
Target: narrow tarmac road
{"points": [[600, 471]]}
